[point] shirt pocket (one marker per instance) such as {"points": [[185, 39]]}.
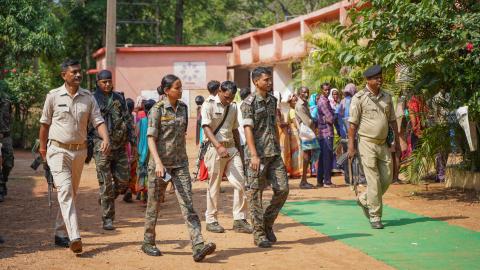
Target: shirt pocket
{"points": [[62, 114], [82, 111], [371, 113]]}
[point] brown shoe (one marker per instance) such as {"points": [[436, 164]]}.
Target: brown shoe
{"points": [[76, 245]]}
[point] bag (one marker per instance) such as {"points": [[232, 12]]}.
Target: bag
{"points": [[205, 144], [306, 133], [308, 138], [310, 145]]}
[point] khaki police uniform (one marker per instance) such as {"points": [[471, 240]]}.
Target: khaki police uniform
{"points": [[168, 126], [68, 118], [213, 113], [260, 114], [372, 115]]}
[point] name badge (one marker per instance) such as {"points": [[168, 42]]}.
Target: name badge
{"points": [[167, 118]]}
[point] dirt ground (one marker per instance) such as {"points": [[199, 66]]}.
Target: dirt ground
{"points": [[27, 228]]}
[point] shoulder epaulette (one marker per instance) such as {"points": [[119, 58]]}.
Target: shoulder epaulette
{"points": [[359, 93], [85, 91], [158, 104], [249, 100], [54, 90], [272, 96]]}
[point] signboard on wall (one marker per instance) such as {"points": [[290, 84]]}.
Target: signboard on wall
{"points": [[153, 94], [192, 74]]}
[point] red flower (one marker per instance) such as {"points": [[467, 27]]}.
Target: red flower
{"points": [[5, 71], [469, 47], [14, 70]]}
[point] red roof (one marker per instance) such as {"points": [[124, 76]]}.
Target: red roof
{"points": [[100, 52]]}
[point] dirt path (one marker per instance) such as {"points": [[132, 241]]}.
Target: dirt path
{"points": [[27, 227]]}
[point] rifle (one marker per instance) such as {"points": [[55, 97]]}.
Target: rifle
{"points": [[37, 160]]}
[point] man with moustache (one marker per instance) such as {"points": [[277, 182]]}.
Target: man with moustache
{"points": [[67, 112]]}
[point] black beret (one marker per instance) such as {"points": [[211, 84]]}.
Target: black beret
{"points": [[104, 75], [372, 71]]}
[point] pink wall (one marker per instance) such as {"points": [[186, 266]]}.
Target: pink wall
{"points": [[137, 71]]}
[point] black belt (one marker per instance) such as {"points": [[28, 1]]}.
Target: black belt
{"points": [[6, 134]]}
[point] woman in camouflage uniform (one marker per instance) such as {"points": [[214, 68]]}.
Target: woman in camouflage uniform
{"points": [[167, 126]]}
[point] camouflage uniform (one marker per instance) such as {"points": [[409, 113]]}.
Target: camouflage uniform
{"points": [[260, 114], [6, 141], [113, 171], [169, 127]]}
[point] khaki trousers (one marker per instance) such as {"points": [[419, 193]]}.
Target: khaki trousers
{"points": [[377, 166], [233, 168], [66, 167]]}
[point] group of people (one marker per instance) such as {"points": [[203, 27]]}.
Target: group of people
{"points": [[140, 147], [77, 125]]}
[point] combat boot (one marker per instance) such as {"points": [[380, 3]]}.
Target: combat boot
{"points": [[242, 226], [108, 224], [200, 251], [270, 235], [215, 227], [364, 208], [128, 197], [151, 250], [376, 224], [262, 242], [2, 193], [62, 241]]}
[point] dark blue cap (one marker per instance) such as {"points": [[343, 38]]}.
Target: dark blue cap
{"points": [[372, 71], [104, 75]]}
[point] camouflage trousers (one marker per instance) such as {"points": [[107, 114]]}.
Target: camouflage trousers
{"points": [[8, 159], [183, 189], [275, 172], [113, 175]]}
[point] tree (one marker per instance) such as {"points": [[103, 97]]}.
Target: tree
{"points": [[436, 43]]}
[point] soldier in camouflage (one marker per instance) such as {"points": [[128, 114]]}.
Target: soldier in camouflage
{"points": [[6, 142], [113, 170], [167, 126], [263, 158]]}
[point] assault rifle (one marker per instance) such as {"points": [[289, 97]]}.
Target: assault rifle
{"points": [[37, 160]]}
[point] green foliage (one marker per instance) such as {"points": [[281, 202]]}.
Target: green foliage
{"points": [[422, 159], [425, 46], [27, 30], [328, 61]]}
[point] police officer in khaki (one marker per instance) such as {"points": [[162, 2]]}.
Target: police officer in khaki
{"points": [[371, 113], [63, 145], [222, 157]]}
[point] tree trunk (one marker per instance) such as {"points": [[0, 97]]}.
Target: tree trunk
{"points": [[87, 61], [179, 22]]}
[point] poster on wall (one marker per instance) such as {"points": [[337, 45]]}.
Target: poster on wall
{"points": [[153, 94], [192, 74]]}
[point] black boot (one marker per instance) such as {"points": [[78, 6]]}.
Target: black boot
{"points": [[200, 251], [2, 193], [270, 235], [151, 250]]}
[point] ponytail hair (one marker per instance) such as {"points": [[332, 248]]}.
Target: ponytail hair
{"points": [[167, 82]]}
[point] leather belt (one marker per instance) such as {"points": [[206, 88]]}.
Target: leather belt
{"points": [[228, 144], [71, 147]]}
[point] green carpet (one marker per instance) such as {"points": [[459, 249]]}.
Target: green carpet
{"points": [[409, 241]]}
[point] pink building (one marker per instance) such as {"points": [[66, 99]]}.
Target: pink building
{"points": [[139, 70], [279, 46]]}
